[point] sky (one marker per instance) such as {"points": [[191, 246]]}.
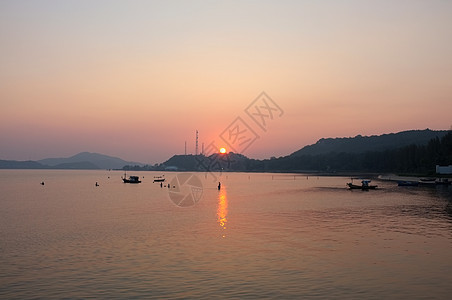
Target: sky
{"points": [[136, 79]]}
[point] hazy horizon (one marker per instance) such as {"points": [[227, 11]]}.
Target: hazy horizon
{"points": [[136, 79]]}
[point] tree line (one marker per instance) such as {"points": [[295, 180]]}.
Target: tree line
{"points": [[421, 159], [410, 159]]}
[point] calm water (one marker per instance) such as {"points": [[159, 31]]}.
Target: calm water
{"points": [[261, 236]]}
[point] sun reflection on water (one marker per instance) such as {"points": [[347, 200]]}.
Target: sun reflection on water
{"points": [[222, 210]]}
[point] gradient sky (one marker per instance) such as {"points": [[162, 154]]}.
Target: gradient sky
{"points": [[135, 79]]}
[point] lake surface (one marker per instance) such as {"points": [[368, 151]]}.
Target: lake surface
{"points": [[261, 236]]}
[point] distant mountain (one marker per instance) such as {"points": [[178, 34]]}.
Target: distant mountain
{"points": [[14, 164], [214, 162], [87, 160], [361, 144], [407, 151], [420, 159], [82, 165]]}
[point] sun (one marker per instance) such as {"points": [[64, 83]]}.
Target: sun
{"points": [[222, 150]]}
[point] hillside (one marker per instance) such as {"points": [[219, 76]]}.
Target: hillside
{"points": [[87, 160], [413, 159], [408, 151], [361, 144], [82, 165], [213, 162], [14, 164]]}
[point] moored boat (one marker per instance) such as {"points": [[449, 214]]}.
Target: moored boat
{"points": [[427, 181], [131, 179], [365, 185], [159, 178], [443, 181]]}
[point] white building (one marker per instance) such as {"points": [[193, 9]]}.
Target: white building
{"points": [[171, 168], [444, 169]]}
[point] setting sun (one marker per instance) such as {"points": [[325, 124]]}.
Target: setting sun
{"points": [[222, 150]]}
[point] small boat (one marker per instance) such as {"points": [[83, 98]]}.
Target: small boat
{"points": [[443, 181], [408, 183], [427, 181], [131, 179], [159, 178], [364, 185]]}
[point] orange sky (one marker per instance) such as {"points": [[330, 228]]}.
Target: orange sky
{"points": [[136, 79]]}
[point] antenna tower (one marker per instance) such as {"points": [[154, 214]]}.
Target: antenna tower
{"points": [[196, 153]]}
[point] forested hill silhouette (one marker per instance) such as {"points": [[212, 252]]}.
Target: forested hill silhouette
{"points": [[86, 160], [80, 161], [15, 164], [409, 159], [414, 151], [216, 161], [361, 144]]}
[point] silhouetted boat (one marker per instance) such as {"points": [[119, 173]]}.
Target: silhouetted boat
{"points": [[364, 185], [131, 179]]}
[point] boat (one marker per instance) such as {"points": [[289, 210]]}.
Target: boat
{"points": [[131, 179], [407, 183], [159, 178], [443, 181], [427, 181], [364, 185]]}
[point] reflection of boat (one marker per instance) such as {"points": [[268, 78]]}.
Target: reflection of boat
{"points": [[131, 179], [159, 178], [364, 185], [408, 183]]}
